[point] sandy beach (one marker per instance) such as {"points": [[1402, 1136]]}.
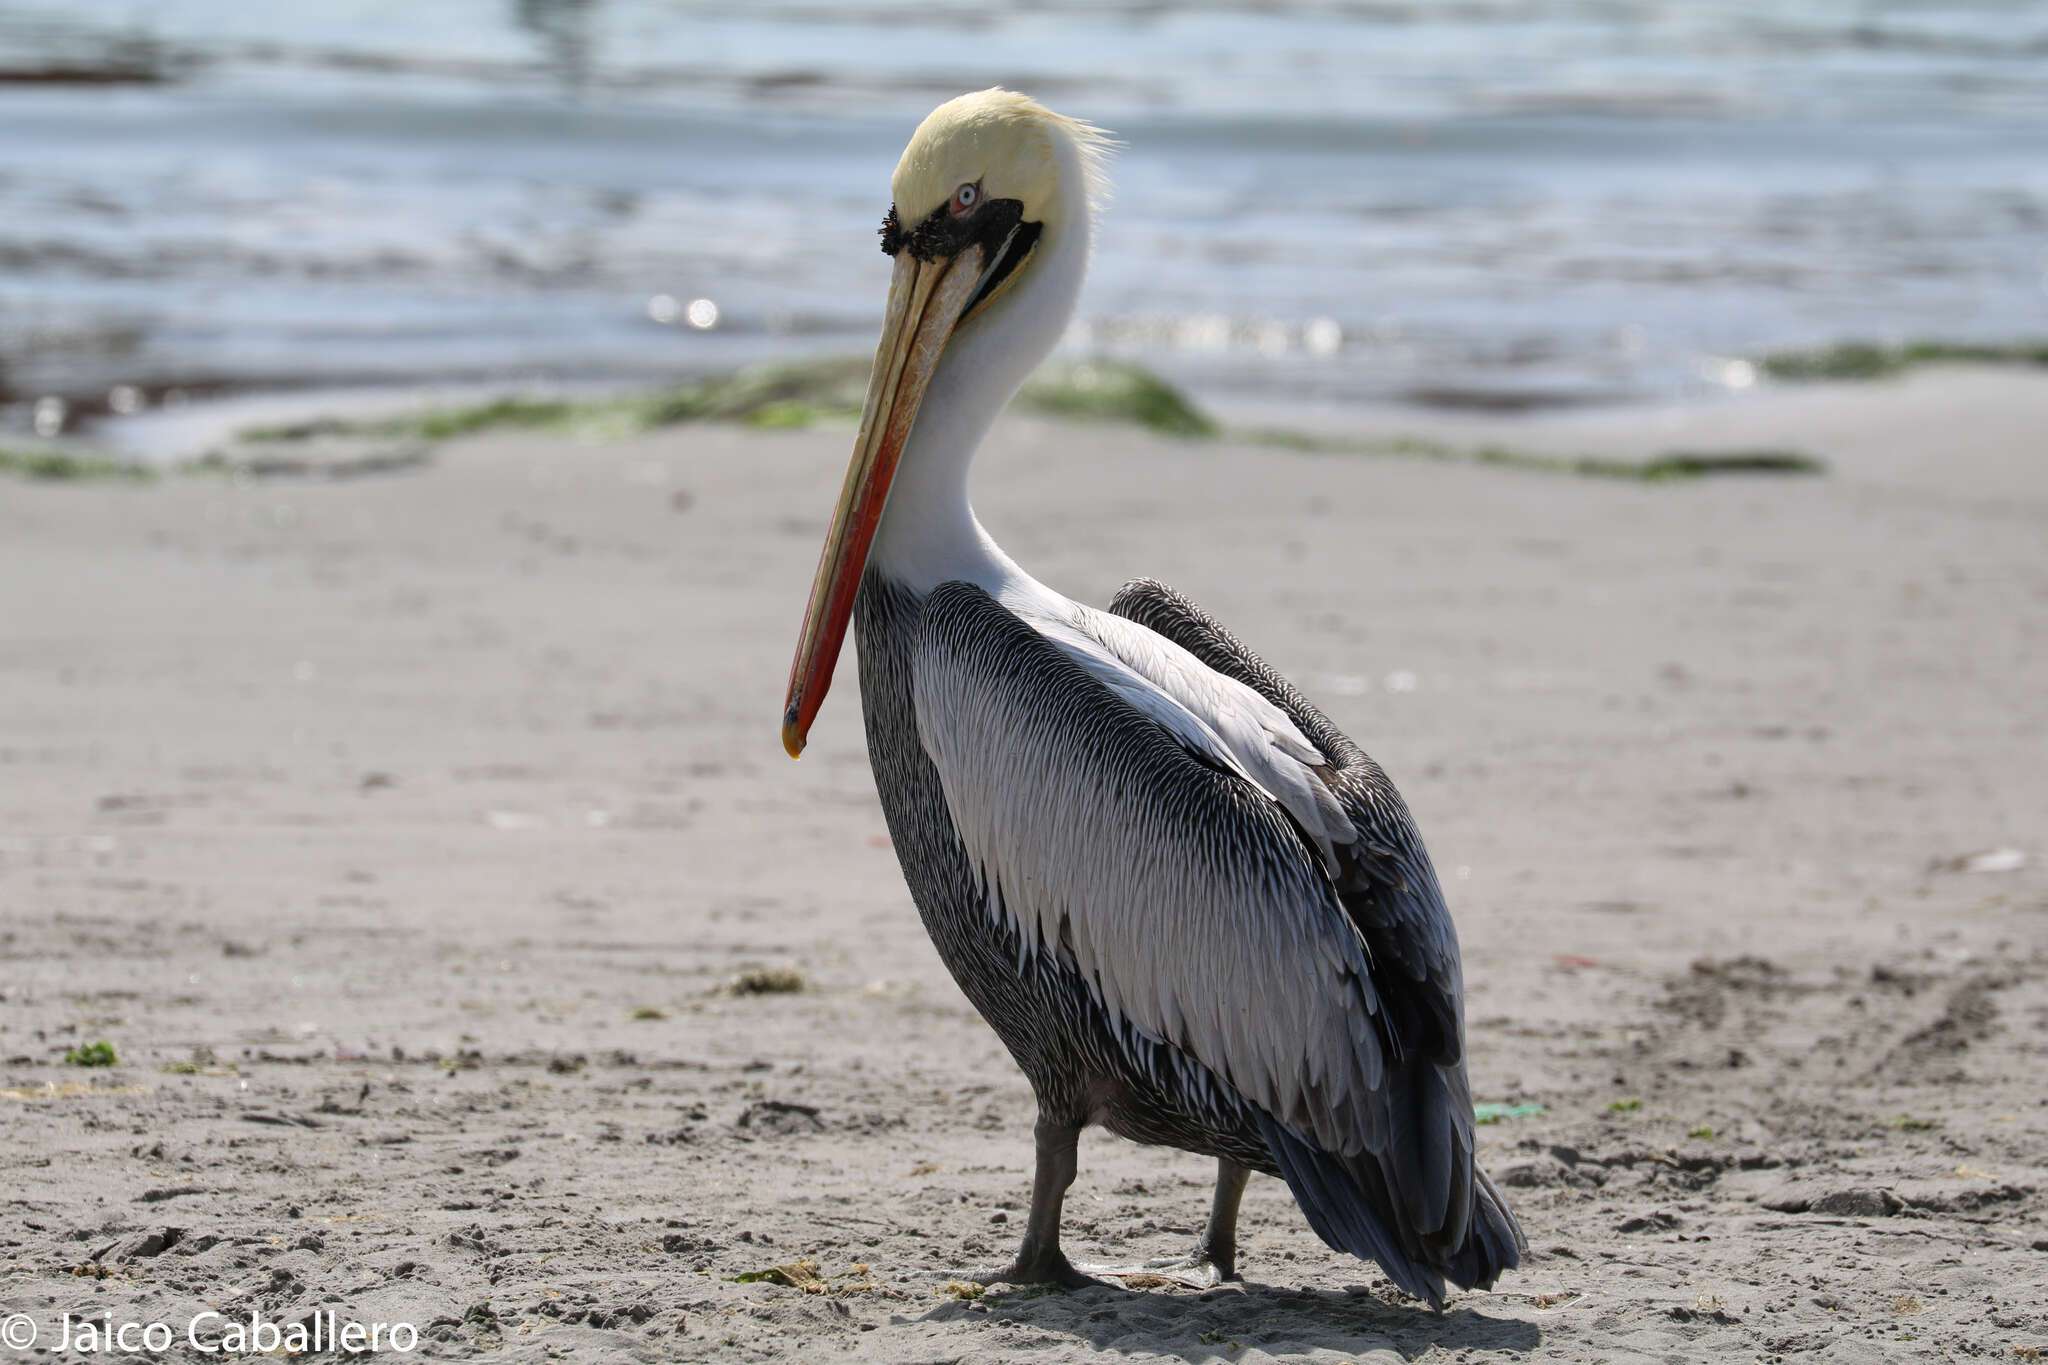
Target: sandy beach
{"points": [[406, 837]]}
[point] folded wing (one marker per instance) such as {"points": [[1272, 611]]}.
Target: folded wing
{"points": [[1222, 877]]}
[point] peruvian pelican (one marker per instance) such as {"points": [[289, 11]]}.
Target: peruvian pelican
{"points": [[1193, 910]]}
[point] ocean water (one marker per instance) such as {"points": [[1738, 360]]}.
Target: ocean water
{"points": [[1502, 203]]}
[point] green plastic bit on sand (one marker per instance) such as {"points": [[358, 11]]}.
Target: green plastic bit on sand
{"points": [[1494, 1113]]}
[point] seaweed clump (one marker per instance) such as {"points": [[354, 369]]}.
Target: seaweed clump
{"points": [[99, 1052], [768, 981], [1115, 391], [56, 464], [1859, 360], [793, 394], [833, 389], [1665, 467]]}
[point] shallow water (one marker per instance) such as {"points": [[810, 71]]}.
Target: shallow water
{"points": [[1493, 203]]}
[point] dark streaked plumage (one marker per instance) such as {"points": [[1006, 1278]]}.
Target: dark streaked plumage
{"points": [[1374, 1134]]}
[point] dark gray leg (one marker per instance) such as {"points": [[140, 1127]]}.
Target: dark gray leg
{"points": [[1040, 1260], [1215, 1257], [1219, 1239]]}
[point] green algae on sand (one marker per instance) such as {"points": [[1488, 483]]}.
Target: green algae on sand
{"points": [[790, 394], [1663, 467], [58, 464], [1873, 360], [831, 390]]}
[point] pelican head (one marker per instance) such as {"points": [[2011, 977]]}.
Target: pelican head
{"points": [[992, 187]]}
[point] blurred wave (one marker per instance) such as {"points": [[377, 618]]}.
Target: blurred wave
{"points": [[1500, 204]]}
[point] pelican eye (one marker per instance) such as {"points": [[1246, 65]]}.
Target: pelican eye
{"points": [[949, 229]]}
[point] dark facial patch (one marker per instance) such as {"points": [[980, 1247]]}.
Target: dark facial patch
{"points": [[1010, 254], [942, 234]]}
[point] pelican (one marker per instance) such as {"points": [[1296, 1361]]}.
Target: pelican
{"points": [[1194, 911]]}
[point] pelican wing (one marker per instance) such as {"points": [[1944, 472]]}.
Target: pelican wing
{"points": [[1213, 715], [1389, 889], [1191, 901], [1383, 876]]}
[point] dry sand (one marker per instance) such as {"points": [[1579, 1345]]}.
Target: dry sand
{"points": [[432, 814]]}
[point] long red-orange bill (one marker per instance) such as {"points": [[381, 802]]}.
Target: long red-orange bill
{"points": [[925, 300]]}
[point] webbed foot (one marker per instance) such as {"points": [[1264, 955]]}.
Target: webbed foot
{"points": [[1044, 1268], [1193, 1271]]}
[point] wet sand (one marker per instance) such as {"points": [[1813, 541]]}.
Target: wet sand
{"points": [[406, 835]]}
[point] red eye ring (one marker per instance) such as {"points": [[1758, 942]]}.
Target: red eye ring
{"points": [[966, 198]]}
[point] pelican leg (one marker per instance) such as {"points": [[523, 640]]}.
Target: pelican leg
{"points": [[1214, 1258], [1040, 1260]]}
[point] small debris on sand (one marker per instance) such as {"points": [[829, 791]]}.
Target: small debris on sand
{"points": [[768, 981]]}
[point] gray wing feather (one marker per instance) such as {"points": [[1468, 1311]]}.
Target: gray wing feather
{"points": [[1386, 881], [1390, 892], [1183, 894]]}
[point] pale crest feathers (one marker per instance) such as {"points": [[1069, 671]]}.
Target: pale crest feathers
{"points": [[1008, 142]]}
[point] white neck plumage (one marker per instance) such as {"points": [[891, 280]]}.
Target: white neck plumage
{"points": [[929, 534]]}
